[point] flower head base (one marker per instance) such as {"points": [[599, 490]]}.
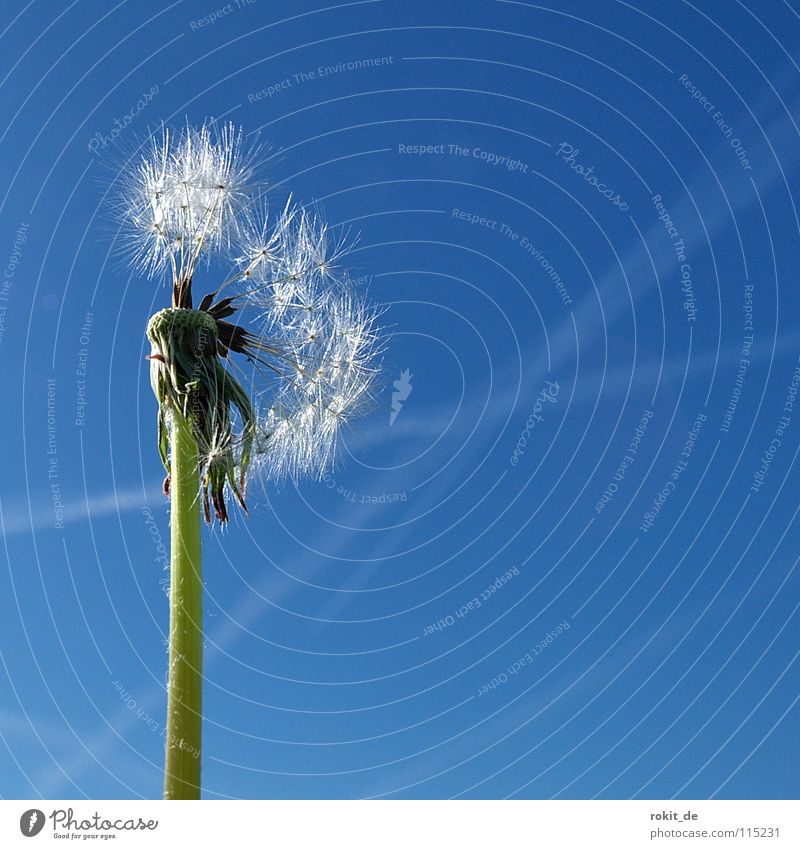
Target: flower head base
{"points": [[299, 326], [189, 380]]}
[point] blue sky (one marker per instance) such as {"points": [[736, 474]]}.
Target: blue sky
{"points": [[568, 567]]}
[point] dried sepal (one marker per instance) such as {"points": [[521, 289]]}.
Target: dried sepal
{"points": [[187, 377]]}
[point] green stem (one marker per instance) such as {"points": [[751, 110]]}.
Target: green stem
{"points": [[185, 680]]}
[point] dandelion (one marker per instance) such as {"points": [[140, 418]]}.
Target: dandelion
{"points": [[258, 380]]}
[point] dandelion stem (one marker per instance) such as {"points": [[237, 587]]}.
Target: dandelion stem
{"points": [[184, 688]]}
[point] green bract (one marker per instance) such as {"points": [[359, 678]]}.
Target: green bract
{"points": [[189, 380]]}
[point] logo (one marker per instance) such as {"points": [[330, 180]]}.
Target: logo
{"points": [[31, 822], [402, 391]]}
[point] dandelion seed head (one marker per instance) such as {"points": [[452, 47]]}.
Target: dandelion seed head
{"points": [[304, 341], [331, 345], [180, 200]]}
